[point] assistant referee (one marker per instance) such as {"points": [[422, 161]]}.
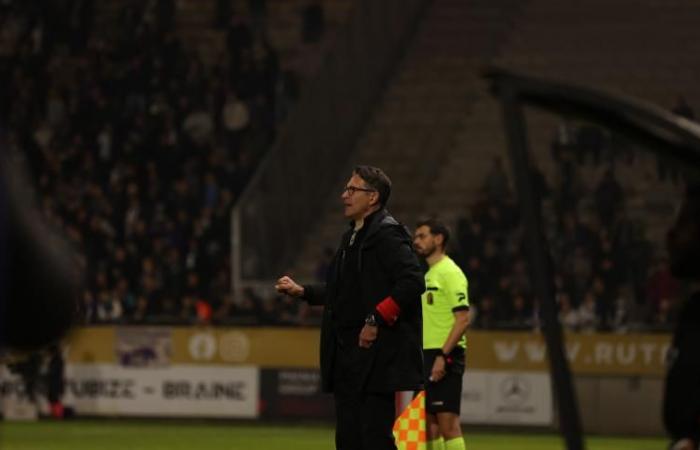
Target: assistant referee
{"points": [[445, 319]]}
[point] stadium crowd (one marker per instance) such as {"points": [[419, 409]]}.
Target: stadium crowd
{"points": [[139, 151], [608, 275]]}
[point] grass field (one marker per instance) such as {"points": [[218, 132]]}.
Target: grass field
{"points": [[179, 435]]}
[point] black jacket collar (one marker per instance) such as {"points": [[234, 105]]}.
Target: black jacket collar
{"points": [[374, 222]]}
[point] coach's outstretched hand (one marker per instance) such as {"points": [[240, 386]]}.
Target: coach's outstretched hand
{"points": [[286, 285]]}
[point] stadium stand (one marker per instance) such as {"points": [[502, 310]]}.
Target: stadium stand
{"points": [[141, 123]]}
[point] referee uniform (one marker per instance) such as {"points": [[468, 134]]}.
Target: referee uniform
{"points": [[446, 292]]}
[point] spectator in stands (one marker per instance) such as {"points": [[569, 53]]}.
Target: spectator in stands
{"points": [[580, 267], [664, 315], [502, 295], [225, 309], [484, 313], [188, 309], [253, 304], [520, 315], [243, 312], [662, 285], [587, 314], [199, 126], [109, 309], [608, 262], [203, 311], [623, 313], [88, 308], [236, 122], [562, 285], [269, 312], [574, 234], [519, 276], [605, 303], [568, 315], [124, 296], [564, 149], [287, 310]]}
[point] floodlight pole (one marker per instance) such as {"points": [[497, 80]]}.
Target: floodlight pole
{"points": [[541, 268]]}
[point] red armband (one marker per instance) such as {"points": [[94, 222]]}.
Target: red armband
{"points": [[389, 310]]}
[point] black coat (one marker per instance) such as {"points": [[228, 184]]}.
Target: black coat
{"points": [[387, 266], [682, 393]]}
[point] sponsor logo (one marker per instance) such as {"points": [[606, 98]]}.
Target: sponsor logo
{"points": [[204, 390], [202, 346], [102, 388], [515, 390], [187, 390], [301, 383], [147, 347], [231, 347], [234, 347], [587, 354]]}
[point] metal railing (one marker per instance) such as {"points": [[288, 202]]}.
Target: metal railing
{"points": [[284, 197]]}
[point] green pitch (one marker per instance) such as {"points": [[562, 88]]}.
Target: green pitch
{"points": [[176, 435]]}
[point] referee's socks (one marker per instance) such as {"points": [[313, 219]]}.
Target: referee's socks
{"points": [[455, 444], [436, 444]]}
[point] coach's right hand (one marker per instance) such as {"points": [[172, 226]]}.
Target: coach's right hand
{"points": [[286, 285]]}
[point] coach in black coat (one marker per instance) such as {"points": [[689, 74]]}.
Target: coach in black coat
{"points": [[371, 331]]}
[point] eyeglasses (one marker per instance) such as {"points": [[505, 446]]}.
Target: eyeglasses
{"points": [[352, 189]]}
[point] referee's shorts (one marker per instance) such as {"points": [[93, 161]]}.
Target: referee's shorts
{"points": [[446, 394]]}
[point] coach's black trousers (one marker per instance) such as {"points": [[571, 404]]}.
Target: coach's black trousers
{"points": [[364, 420]]}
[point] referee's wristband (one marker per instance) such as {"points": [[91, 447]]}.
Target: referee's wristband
{"points": [[448, 359]]}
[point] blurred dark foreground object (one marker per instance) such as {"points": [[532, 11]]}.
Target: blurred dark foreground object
{"points": [[40, 273]]}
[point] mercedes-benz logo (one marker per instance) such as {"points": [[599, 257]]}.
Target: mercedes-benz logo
{"points": [[515, 390]]}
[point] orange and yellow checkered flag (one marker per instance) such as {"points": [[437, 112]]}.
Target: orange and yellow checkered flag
{"points": [[409, 428]]}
